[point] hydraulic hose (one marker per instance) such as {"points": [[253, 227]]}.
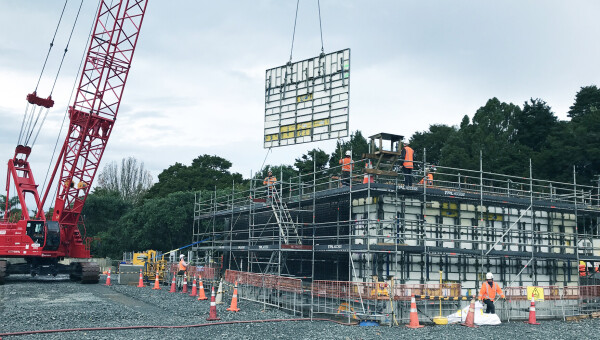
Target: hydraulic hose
{"points": [[45, 331]]}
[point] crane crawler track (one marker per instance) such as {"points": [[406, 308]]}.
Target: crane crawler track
{"points": [[85, 272], [3, 265]]}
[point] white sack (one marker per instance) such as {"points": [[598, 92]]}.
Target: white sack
{"points": [[480, 317]]}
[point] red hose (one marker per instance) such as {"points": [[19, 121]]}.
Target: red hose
{"points": [[152, 327]]}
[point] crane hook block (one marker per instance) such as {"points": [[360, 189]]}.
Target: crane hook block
{"points": [[33, 98]]}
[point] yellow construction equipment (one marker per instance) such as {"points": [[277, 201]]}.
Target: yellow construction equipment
{"points": [[153, 262]]}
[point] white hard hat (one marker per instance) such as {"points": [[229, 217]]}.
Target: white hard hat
{"points": [[489, 276], [348, 153], [180, 256]]}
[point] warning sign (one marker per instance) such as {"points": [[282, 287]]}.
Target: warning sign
{"points": [[536, 292]]}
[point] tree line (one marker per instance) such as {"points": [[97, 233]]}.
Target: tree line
{"points": [[127, 212]]}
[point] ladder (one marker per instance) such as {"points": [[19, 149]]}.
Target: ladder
{"points": [[287, 226]]}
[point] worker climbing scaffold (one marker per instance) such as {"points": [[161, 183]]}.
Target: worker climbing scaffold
{"points": [[270, 182]]}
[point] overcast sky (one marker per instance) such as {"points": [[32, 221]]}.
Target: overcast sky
{"points": [[197, 81]]}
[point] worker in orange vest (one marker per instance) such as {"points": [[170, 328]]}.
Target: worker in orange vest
{"points": [[429, 177], [582, 269], [488, 291], [407, 165], [270, 181], [181, 270], [347, 165]]}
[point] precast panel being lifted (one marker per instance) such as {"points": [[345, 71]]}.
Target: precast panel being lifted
{"points": [[308, 101]]}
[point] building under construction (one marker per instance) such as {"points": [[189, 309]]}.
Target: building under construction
{"points": [[463, 224]]}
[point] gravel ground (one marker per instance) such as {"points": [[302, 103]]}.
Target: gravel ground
{"points": [[37, 304]]}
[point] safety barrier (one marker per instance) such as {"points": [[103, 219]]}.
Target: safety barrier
{"points": [[276, 291], [390, 303]]}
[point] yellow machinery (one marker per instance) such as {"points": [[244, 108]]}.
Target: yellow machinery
{"points": [[152, 262]]}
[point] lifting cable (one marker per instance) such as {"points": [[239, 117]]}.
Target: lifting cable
{"points": [[294, 33], [75, 82], [320, 26], [55, 79], [42, 72], [320, 29]]}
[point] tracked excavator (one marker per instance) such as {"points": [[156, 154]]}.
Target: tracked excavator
{"points": [[43, 242]]}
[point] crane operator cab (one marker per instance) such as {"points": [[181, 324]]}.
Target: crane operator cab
{"points": [[45, 234]]}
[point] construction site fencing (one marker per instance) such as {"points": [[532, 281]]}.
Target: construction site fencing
{"points": [[269, 290], [208, 274], [390, 303]]}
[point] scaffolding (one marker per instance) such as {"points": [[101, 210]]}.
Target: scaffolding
{"points": [[529, 232]]}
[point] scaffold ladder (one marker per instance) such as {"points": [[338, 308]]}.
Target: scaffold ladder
{"points": [[284, 219]]}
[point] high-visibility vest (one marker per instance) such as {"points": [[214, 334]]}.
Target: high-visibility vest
{"points": [[408, 157], [429, 179], [182, 265], [270, 181], [346, 164], [582, 270], [488, 292]]}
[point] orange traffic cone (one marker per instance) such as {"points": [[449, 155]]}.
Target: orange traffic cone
{"points": [[156, 282], [532, 320], [201, 295], [173, 286], [141, 282], [414, 316], [213, 307], [184, 291], [194, 289], [108, 279], [234, 307], [470, 319]]}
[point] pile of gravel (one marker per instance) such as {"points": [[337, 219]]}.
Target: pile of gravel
{"points": [[42, 304]]}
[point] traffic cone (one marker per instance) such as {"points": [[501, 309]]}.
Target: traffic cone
{"points": [[234, 307], [532, 320], [220, 293], [201, 295], [156, 282], [414, 316], [108, 279], [470, 319], [173, 285], [141, 282], [213, 307], [194, 289], [184, 291]]}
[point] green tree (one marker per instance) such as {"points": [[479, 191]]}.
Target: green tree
{"points": [[305, 164], [493, 132], [586, 142], [287, 171], [587, 100], [102, 210], [433, 141], [14, 210], [357, 144], [534, 123], [205, 173], [555, 160]]}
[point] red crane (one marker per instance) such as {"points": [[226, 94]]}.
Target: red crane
{"points": [[44, 243]]}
